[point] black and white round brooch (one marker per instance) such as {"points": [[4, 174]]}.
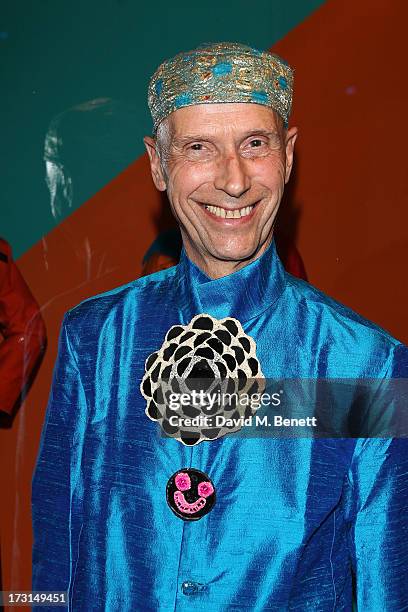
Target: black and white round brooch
{"points": [[199, 383]]}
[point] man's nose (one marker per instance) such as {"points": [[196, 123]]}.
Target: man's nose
{"points": [[232, 176]]}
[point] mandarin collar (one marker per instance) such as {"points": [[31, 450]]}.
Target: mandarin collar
{"points": [[244, 294]]}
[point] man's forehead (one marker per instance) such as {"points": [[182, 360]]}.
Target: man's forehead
{"points": [[214, 120]]}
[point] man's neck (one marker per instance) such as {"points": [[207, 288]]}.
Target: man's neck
{"points": [[218, 268]]}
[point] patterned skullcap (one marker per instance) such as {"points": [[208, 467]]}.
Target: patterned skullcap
{"points": [[221, 72]]}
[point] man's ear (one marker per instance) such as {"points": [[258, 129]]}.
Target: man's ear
{"points": [[290, 140], [155, 165]]}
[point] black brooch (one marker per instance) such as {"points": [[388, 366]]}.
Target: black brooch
{"points": [[198, 385]]}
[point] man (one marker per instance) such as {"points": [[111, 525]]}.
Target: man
{"points": [[137, 510]]}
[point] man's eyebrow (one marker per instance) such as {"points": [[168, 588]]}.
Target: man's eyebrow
{"points": [[262, 132], [179, 141]]}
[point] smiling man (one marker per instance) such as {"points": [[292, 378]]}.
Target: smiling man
{"points": [[148, 496], [224, 168]]}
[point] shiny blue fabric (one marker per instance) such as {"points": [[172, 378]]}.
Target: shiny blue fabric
{"points": [[294, 518]]}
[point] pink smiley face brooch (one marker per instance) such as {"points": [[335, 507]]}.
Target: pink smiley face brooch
{"points": [[190, 494]]}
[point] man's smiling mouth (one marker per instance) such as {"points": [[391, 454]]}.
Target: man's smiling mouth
{"points": [[226, 213]]}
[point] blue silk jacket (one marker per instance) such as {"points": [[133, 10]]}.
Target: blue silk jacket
{"points": [[294, 519]]}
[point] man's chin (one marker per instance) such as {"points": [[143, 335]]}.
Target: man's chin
{"points": [[236, 254]]}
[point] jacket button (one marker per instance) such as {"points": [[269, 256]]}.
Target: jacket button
{"points": [[192, 588]]}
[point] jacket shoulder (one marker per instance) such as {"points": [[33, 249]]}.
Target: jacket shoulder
{"points": [[337, 316], [100, 306]]}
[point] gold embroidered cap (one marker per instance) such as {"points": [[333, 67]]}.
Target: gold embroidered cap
{"points": [[221, 72]]}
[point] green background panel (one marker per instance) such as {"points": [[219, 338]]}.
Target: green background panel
{"points": [[59, 55]]}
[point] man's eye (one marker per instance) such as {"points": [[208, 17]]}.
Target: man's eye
{"points": [[256, 143], [197, 146]]}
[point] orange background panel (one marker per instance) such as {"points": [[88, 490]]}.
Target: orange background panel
{"points": [[351, 179]]}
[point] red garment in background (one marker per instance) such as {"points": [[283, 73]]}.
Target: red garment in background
{"points": [[290, 256], [23, 331]]}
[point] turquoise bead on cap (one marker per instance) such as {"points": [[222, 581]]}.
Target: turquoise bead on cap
{"points": [[221, 73]]}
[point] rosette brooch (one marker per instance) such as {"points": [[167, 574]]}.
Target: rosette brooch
{"points": [[199, 384]]}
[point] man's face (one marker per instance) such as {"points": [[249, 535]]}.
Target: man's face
{"points": [[224, 167]]}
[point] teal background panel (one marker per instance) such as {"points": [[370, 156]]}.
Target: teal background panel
{"points": [[74, 77]]}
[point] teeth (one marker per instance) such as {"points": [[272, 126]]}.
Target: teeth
{"points": [[229, 214]]}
